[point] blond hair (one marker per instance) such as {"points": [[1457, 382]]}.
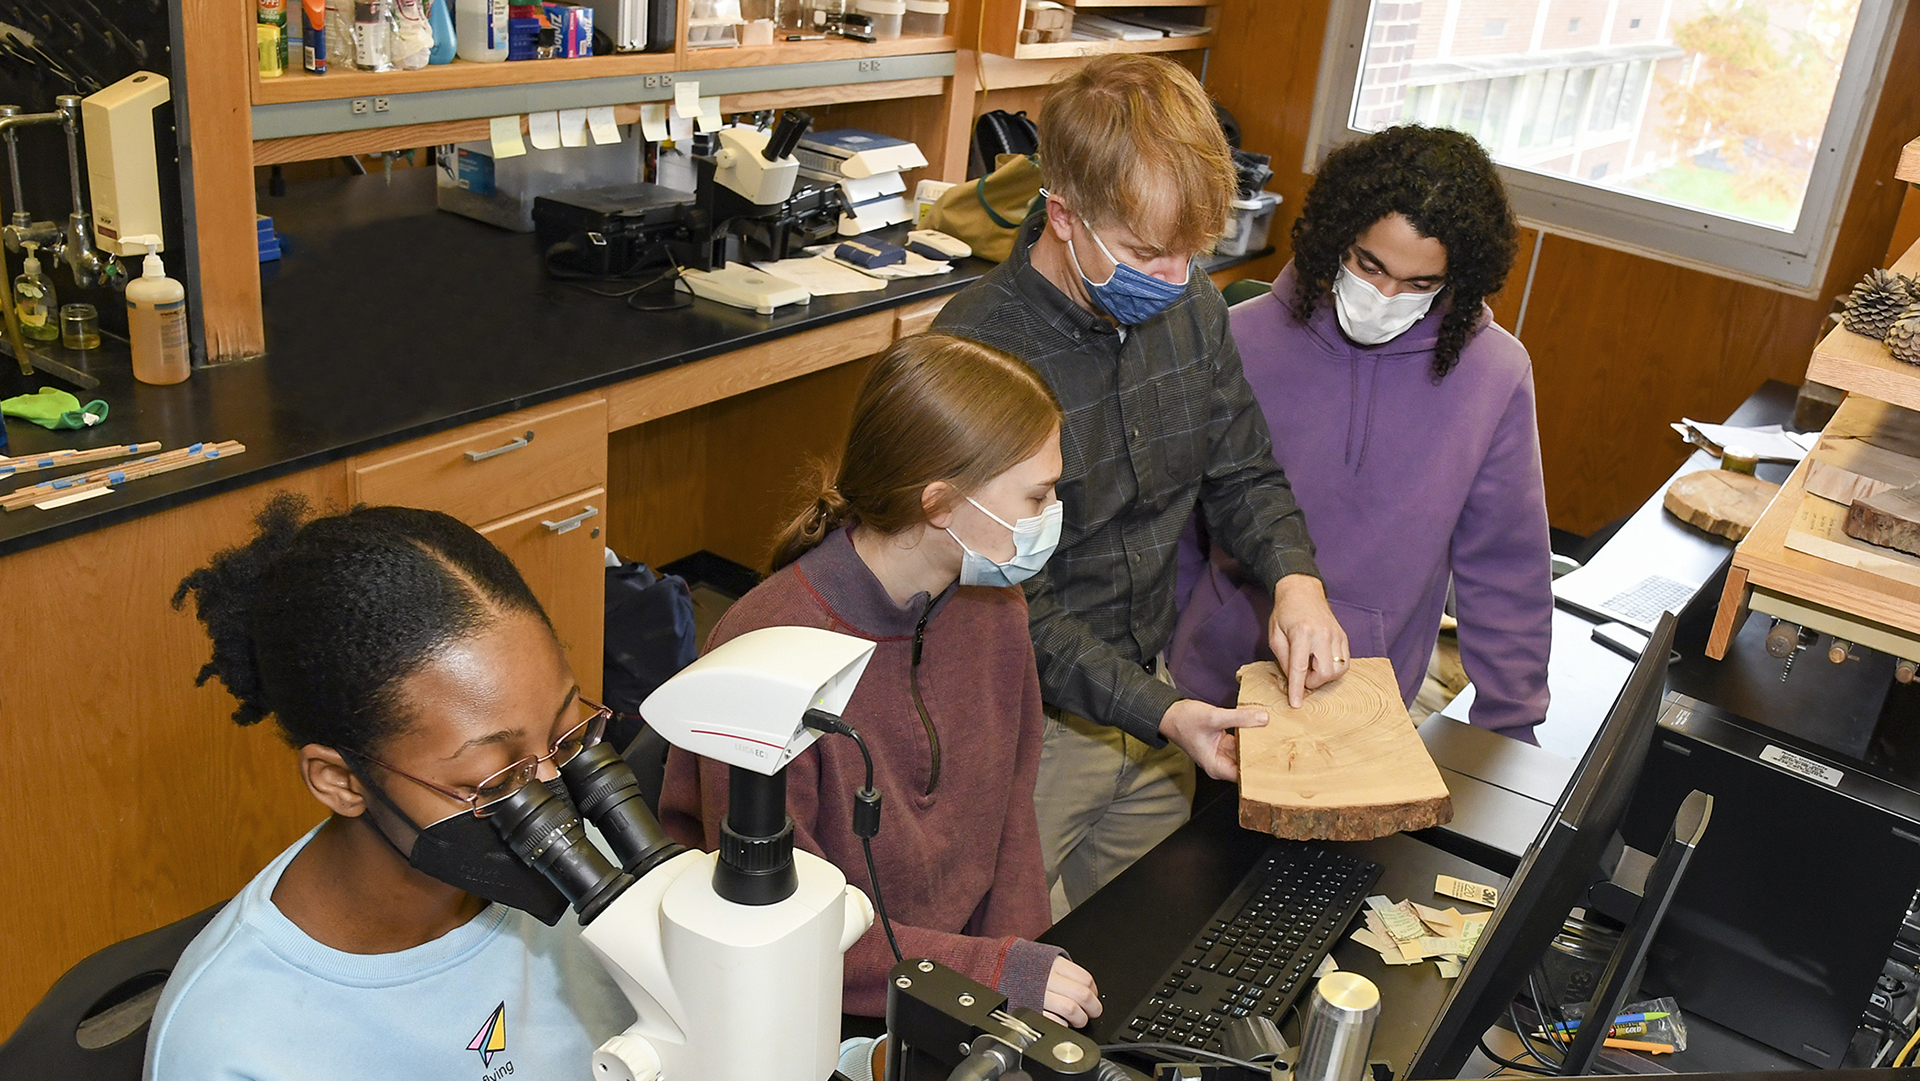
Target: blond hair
{"points": [[934, 408], [1134, 139]]}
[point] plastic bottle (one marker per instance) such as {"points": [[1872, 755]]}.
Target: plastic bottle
{"points": [[440, 16], [480, 26], [157, 321], [34, 301]]}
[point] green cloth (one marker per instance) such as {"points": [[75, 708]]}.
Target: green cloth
{"points": [[54, 408]]}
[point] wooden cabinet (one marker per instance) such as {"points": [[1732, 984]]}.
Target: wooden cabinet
{"points": [[1000, 29], [559, 548]]}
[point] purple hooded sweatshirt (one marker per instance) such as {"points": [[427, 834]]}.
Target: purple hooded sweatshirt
{"points": [[1403, 482]]}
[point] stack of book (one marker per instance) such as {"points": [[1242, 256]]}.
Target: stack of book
{"points": [[867, 168]]}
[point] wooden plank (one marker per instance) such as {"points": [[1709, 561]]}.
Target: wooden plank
{"points": [[1819, 529], [1858, 363], [344, 83], [1731, 615], [1844, 470], [667, 392], [218, 37], [1874, 421], [1888, 519], [407, 137], [1909, 167], [1347, 765], [1719, 501]]}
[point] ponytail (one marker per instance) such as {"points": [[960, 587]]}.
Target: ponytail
{"points": [[828, 512]]}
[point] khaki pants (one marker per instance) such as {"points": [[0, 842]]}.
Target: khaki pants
{"points": [[1103, 799]]}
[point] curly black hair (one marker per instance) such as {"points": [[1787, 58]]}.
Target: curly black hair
{"points": [[317, 622], [1445, 185]]}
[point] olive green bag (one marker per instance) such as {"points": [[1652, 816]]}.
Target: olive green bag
{"points": [[986, 213]]}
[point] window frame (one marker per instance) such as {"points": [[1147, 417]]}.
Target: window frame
{"points": [[1792, 261]]}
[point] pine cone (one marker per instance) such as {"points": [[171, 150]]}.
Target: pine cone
{"points": [[1880, 298], [1903, 340]]}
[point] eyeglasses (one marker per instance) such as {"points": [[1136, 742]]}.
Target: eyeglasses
{"points": [[498, 786]]}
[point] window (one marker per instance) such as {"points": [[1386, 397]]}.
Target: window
{"points": [[1723, 136]]}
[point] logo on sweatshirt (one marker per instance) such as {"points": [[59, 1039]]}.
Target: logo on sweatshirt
{"points": [[492, 1037]]}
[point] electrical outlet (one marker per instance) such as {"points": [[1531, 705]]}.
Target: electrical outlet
{"points": [[381, 105], [666, 80], [650, 82], [359, 106], [873, 65]]}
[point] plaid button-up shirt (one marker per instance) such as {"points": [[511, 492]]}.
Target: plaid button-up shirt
{"points": [[1159, 418]]}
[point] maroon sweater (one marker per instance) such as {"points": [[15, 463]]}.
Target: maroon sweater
{"points": [[958, 854]]}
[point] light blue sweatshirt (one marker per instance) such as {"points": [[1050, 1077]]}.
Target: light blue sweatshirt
{"points": [[501, 996]]}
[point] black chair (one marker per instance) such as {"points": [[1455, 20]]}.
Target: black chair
{"points": [[93, 1021]]}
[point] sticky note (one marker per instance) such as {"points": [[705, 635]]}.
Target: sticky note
{"points": [[710, 114], [504, 132], [600, 124], [680, 128], [573, 127], [653, 122], [543, 130], [686, 99]]}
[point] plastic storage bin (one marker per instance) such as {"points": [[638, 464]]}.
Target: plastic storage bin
{"points": [[470, 182], [925, 18], [1248, 224], [886, 16]]}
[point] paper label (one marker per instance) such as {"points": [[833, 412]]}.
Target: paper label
{"points": [[1805, 767], [1401, 921], [504, 132], [1461, 890], [573, 127], [601, 124], [686, 99], [543, 130], [653, 122]]}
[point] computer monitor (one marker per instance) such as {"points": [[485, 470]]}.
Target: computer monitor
{"points": [[1556, 869]]}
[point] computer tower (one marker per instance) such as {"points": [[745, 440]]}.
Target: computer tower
{"points": [[1790, 907]]}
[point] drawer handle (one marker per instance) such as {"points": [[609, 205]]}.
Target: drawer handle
{"points": [[512, 444], [568, 525]]}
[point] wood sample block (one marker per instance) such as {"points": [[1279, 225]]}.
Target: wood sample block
{"points": [[1819, 529], [1844, 470], [1347, 765], [1720, 501], [1889, 427], [1890, 519]]}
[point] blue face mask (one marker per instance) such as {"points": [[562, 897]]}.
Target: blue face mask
{"points": [[1130, 296], [1034, 539]]}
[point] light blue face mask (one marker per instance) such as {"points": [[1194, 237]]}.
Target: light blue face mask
{"points": [[1034, 539], [1130, 296]]}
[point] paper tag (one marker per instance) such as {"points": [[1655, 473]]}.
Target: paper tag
{"points": [[1805, 767], [573, 127], [681, 129], [504, 132], [1449, 968], [543, 130], [710, 114], [653, 122], [1326, 965], [601, 123], [686, 99], [1381, 945], [1440, 947], [1400, 920], [50, 504], [1461, 890]]}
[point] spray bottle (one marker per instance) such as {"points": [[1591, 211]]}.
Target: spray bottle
{"points": [[33, 293], [157, 320]]}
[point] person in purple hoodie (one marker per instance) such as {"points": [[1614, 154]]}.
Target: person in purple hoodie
{"points": [[1405, 418]]}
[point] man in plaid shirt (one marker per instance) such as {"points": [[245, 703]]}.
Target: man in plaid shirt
{"points": [[1100, 297]]}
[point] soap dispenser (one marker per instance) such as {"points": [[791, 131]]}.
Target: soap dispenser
{"points": [[157, 320], [34, 300]]}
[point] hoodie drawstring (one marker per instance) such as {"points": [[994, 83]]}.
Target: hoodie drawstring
{"points": [[1364, 428]]}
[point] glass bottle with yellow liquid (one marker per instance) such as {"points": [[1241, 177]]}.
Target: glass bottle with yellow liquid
{"points": [[33, 299]]}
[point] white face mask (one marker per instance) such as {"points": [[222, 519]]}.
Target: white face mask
{"points": [[1371, 317], [1034, 539]]}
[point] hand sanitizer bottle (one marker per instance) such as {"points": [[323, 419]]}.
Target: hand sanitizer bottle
{"points": [[157, 321], [34, 301]]}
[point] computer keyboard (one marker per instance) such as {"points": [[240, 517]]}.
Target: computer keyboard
{"points": [[1261, 948]]}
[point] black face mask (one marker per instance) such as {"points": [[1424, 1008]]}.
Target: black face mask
{"points": [[468, 853]]}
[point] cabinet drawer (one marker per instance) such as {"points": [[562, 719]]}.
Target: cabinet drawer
{"points": [[911, 319], [482, 471], [559, 550]]}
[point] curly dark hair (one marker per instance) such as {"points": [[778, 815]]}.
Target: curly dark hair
{"points": [[317, 622], [1445, 185]]}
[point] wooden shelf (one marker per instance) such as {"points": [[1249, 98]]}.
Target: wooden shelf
{"points": [[1063, 49], [1859, 364], [459, 75], [804, 52], [1764, 561], [1909, 167], [1132, 3]]}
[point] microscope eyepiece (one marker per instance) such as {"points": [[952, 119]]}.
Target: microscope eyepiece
{"points": [[545, 831], [605, 789]]}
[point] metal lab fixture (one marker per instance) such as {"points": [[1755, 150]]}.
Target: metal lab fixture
{"points": [[72, 245]]}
